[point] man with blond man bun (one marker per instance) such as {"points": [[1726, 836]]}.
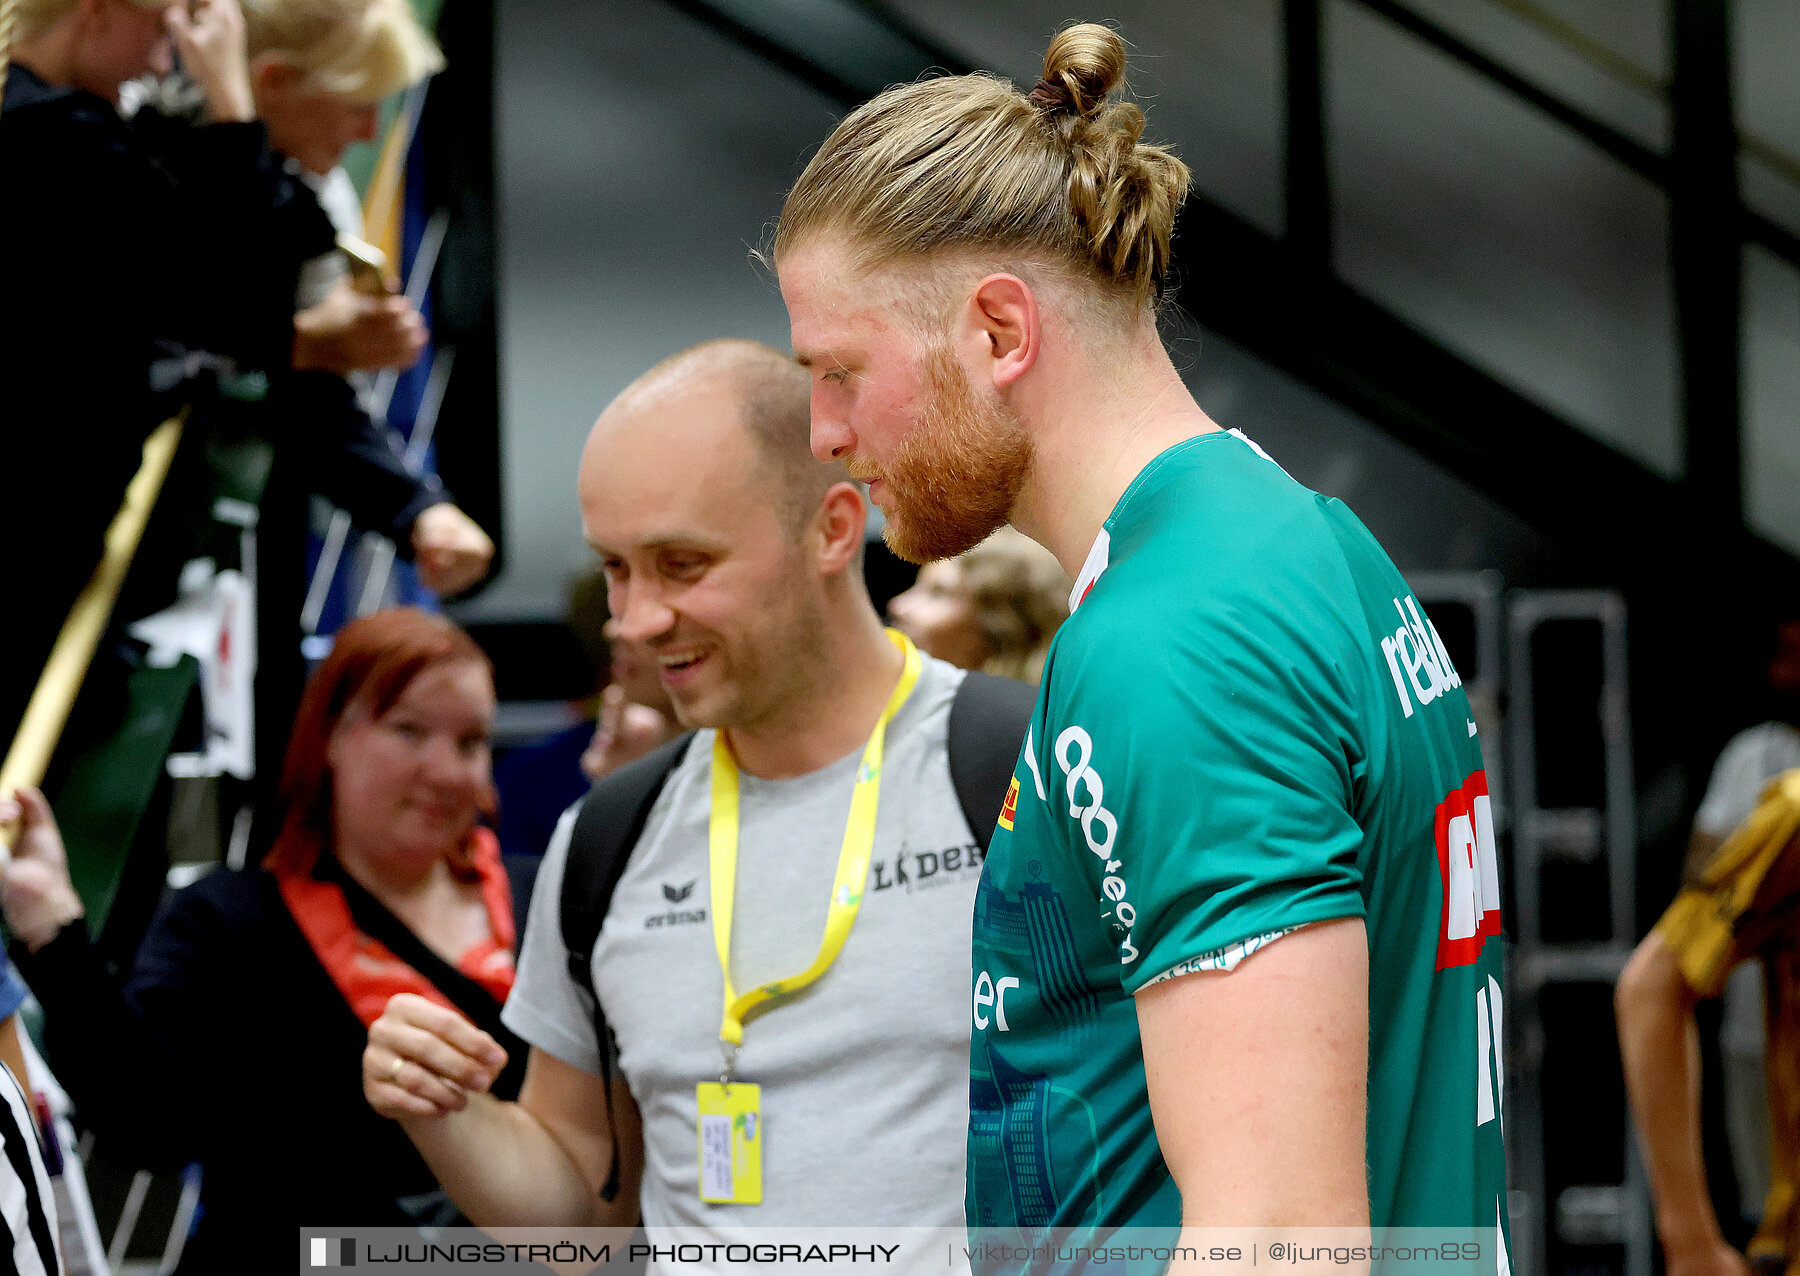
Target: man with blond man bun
{"points": [[1236, 955]]}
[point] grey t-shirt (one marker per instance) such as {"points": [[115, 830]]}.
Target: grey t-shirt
{"points": [[1753, 757], [864, 1074]]}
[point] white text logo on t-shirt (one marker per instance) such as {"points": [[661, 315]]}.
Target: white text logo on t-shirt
{"points": [[1099, 828], [1416, 658]]}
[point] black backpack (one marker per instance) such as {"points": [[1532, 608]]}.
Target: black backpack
{"points": [[988, 720]]}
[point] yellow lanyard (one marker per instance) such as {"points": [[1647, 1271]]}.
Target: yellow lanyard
{"points": [[852, 868]]}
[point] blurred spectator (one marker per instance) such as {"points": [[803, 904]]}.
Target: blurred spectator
{"points": [[118, 249], [630, 715], [236, 1037], [27, 1201], [1755, 755], [319, 71], [1737, 905], [1748, 762], [636, 714], [994, 608], [318, 96], [28, 1206], [115, 318]]}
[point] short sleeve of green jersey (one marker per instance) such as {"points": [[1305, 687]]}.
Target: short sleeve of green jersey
{"points": [[1224, 741]]}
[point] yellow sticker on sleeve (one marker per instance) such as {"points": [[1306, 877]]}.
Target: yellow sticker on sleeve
{"points": [[731, 1139], [1010, 807]]}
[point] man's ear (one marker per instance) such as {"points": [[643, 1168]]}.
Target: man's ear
{"points": [[842, 516], [270, 75], [1000, 328]]}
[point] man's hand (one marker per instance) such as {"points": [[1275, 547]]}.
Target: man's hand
{"points": [[624, 733], [539, 1161], [1714, 1258], [450, 552], [36, 896], [423, 1060], [210, 36], [351, 331]]}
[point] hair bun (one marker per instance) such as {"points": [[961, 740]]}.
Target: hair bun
{"points": [[1060, 177], [1083, 64]]}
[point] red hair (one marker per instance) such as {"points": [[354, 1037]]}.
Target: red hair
{"points": [[372, 662]]}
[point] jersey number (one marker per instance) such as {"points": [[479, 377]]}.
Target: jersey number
{"points": [[1490, 1083]]}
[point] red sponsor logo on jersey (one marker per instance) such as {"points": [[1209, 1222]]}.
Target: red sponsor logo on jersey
{"points": [[1469, 868], [1010, 807]]}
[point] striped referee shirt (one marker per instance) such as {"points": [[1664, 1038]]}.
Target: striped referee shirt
{"points": [[27, 1208]]}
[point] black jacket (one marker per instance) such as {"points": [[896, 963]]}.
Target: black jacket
{"points": [[230, 1045], [143, 257]]}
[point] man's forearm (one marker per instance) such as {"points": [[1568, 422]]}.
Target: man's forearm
{"points": [[504, 1168], [1658, 1042]]}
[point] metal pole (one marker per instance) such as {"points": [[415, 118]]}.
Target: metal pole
{"points": [[1308, 181], [337, 535], [381, 561], [28, 756], [1705, 250]]}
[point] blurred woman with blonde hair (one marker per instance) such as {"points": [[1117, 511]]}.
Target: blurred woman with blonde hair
{"points": [[112, 244], [320, 70], [994, 608]]}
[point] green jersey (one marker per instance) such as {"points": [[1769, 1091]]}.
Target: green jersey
{"points": [[1246, 725]]}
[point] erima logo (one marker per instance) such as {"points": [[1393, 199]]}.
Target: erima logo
{"points": [[676, 916]]}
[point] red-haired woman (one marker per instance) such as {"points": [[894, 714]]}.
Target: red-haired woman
{"points": [[238, 1038]]}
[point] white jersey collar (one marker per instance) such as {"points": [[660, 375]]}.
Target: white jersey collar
{"points": [[1101, 554], [1098, 557]]}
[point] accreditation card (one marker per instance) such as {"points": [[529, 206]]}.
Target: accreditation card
{"points": [[731, 1139]]}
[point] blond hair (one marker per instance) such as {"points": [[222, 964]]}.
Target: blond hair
{"points": [[1019, 597], [34, 17], [362, 50], [967, 163]]}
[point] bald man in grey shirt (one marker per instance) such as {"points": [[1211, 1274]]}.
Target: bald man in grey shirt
{"points": [[864, 1072], [733, 556]]}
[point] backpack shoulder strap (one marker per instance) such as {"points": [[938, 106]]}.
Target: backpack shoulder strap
{"points": [[988, 720], [608, 825]]}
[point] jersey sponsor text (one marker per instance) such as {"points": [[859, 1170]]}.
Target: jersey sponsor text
{"points": [[1416, 658], [1099, 828], [1470, 867]]}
